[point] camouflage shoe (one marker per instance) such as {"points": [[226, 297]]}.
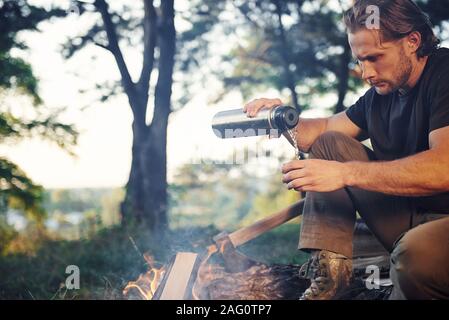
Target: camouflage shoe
{"points": [[330, 274]]}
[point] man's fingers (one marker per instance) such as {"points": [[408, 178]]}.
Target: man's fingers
{"points": [[308, 188], [300, 183], [292, 175], [253, 107], [246, 106], [293, 165]]}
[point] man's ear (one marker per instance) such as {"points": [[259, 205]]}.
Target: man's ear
{"points": [[413, 41]]}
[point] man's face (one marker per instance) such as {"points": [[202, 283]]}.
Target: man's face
{"points": [[386, 65]]}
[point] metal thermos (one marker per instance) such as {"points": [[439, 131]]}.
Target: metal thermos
{"points": [[236, 123]]}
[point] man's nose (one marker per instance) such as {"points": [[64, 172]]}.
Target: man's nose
{"points": [[368, 72]]}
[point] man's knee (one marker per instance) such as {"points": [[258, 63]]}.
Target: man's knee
{"points": [[420, 264], [333, 145]]}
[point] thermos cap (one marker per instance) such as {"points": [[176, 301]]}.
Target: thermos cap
{"points": [[286, 118]]}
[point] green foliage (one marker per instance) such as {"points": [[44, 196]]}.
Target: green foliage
{"points": [[286, 45], [306, 52], [309, 48], [106, 263], [110, 204], [80, 213], [279, 246], [16, 16], [13, 129], [74, 200], [227, 196], [273, 199], [17, 74], [217, 194], [7, 234], [17, 191]]}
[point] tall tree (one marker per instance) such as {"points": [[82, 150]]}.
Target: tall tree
{"points": [[146, 190], [312, 48], [17, 78], [301, 46], [296, 46]]}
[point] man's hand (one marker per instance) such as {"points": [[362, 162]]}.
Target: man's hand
{"points": [[253, 107], [315, 175]]}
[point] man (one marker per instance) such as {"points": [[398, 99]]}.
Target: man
{"points": [[401, 188]]}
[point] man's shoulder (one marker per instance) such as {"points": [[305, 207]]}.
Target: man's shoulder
{"points": [[439, 61], [441, 53], [436, 72]]}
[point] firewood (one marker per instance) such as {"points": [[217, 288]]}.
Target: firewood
{"points": [[260, 282], [179, 278]]}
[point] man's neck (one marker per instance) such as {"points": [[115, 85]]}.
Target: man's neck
{"points": [[416, 74]]}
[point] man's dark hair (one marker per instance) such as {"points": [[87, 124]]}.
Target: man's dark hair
{"points": [[398, 18]]}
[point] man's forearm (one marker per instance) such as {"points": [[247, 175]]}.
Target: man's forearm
{"points": [[423, 174], [308, 130]]}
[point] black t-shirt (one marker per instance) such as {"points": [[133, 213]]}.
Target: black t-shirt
{"points": [[399, 125]]}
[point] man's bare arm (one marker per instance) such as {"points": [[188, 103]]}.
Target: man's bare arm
{"points": [[308, 130], [423, 174]]}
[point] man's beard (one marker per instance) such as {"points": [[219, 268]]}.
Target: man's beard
{"points": [[400, 77]]}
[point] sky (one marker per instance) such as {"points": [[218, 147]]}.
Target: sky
{"points": [[103, 154]]}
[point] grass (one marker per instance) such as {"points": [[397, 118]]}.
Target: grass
{"points": [[113, 257], [279, 246]]}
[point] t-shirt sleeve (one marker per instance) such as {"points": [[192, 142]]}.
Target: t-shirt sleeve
{"points": [[357, 113], [439, 109]]}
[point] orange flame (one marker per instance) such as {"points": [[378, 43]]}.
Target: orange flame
{"points": [[147, 284]]}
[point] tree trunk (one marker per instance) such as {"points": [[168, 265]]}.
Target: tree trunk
{"points": [[146, 193], [343, 78], [286, 60], [154, 180], [132, 207]]}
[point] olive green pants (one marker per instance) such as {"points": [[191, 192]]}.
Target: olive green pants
{"points": [[414, 230]]}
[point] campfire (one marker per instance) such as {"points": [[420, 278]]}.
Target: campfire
{"points": [[221, 272], [214, 282], [146, 285]]}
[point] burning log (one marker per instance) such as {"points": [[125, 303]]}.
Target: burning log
{"points": [[259, 282], [214, 282]]}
